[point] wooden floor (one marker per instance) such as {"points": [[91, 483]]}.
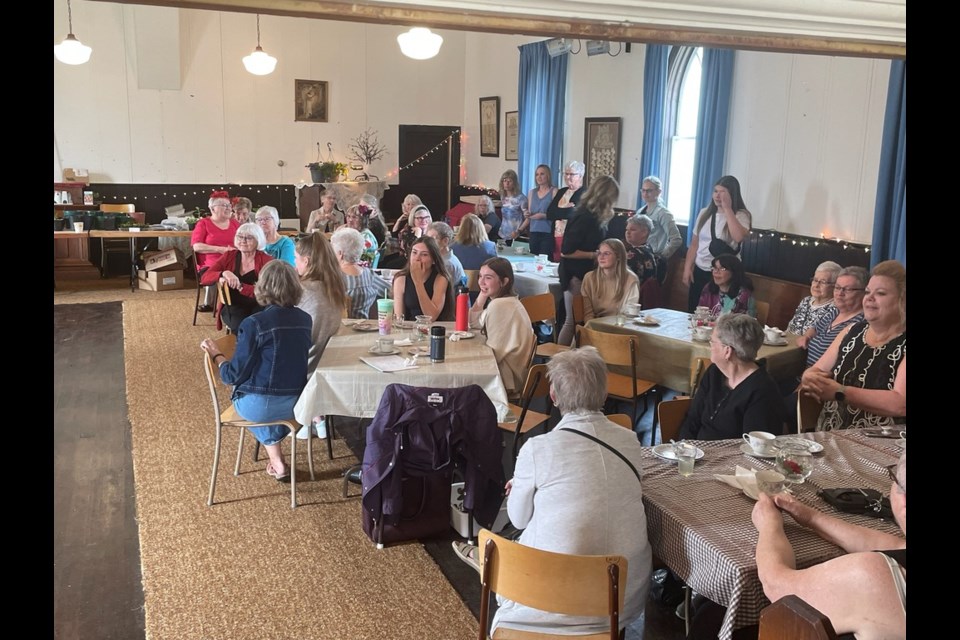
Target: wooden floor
{"points": [[96, 553]]}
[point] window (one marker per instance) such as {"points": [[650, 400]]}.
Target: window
{"points": [[683, 108]]}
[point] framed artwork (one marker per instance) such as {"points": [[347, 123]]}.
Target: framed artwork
{"points": [[512, 143], [310, 101], [601, 147], [490, 126]]}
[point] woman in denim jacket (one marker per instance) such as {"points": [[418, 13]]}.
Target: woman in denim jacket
{"points": [[269, 366]]}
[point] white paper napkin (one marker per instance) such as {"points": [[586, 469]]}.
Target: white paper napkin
{"points": [[743, 479], [460, 335], [406, 342], [778, 329]]}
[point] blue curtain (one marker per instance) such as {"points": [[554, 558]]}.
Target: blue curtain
{"points": [[541, 102], [654, 109], [715, 84], [890, 215]]}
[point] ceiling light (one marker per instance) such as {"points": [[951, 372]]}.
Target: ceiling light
{"points": [[558, 47], [71, 50], [419, 43], [259, 63], [597, 47]]}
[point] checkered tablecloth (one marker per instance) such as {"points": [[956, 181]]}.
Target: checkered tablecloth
{"points": [[701, 528]]}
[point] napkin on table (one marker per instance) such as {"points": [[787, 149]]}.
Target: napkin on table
{"points": [[406, 342], [459, 335], [743, 479]]}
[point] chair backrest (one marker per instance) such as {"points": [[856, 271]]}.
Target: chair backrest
{"points": [[616, 349], [670, 414], [578, 312], [808, 412], [555, 582], [375, 261], [227, 345], [118, 208], [791, 617], [536, 386], [621, 419], [763, 311], [697, 368], [473, 279], [540, 307], [223, 293], [347, 306]]}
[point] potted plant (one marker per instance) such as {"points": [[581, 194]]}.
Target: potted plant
{"points": [[366, 149], [327, 171], [191, 222]]}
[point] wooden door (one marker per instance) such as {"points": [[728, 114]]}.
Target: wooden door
{"points": [[436, 176]]}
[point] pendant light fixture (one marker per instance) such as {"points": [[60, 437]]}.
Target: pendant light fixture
{"points": [[259, 63], [419, 43], [71, 50]]}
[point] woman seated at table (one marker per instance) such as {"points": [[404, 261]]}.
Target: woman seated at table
{"points": [[862, 377], [443, 234], [820, 301], [471, 246], [212, 237], [505, 322], [278, 247], [406, 207], [736, 394], [362, 285], [375, 221], [422, 288], [488, 215], [239, 270], [324, 293], [642, 260], [358, 217], [328, 217], [269, 367], [730, 291], [847, 309], [242, 209], [611, 287]]}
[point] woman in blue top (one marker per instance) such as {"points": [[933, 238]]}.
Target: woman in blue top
{"points": [[539, 199], [513, 205], [471, 246], [278, 247], [730, 291], [269, 367]]}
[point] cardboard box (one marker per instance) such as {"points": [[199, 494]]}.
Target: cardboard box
{"points": [[76, 175], [160, 280], [459, 520], [168, 260]]}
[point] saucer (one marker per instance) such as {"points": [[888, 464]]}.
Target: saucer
{"points": [[461, 335], [419, 351], [748, 450], [365, 326], [665, 451], [375, 350], [782, 342], [811, 445], [646, 321]]}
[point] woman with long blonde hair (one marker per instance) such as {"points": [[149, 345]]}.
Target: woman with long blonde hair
{"points": [[324, 294], [610, 287], [472, 246]]}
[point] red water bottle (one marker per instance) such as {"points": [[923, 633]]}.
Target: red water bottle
{"points": [[463, 308]]}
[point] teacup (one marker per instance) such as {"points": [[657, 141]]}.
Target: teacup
{"points": [[887, 430], [759, 441], [634, 309], [385, 345], [542, 258], [522, 250], [519, 267], [702, 332], [549, 271], [773, 335], [770, 482]]}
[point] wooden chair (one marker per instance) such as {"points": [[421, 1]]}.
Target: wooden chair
{"points": [[113, 245], [620, 350], [621, 419], [763, 311], [671, 414], [542, 308], [473, 280], [228, 417], [791, 617], [697, 368], [554, 582], [578, 312], [536, 386], [808, 412]]}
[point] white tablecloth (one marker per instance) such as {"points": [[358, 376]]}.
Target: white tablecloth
{"points": [[342, 385], [530, 282]]}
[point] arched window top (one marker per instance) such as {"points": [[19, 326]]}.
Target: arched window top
{"points": [[683, 108]]}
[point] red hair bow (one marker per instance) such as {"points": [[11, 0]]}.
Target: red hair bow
{"points": [[220, 194]]}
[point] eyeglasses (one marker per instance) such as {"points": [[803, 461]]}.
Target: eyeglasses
{"points": [[654, 190], [892, 472], [259, 220], [845, 290], [605, 254], [569, 175], [822, 283], [718, 269], [422, 217], [243, 238]]}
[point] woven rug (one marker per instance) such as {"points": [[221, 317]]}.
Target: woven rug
{"points": [[249, 566]]}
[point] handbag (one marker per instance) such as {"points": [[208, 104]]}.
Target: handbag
{"points": [[717, 246], [867, 502]]}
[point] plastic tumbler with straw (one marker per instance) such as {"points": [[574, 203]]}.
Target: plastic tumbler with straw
{"points": [[385, 314]]}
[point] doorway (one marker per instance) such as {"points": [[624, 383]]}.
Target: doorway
{"points": [[436, 176]]}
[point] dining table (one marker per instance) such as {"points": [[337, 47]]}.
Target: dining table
{"points": [[701, 528], [344, 385], [531, 278], [668, 348]]}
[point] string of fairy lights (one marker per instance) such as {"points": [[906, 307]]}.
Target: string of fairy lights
{"points": [[803, 241]]}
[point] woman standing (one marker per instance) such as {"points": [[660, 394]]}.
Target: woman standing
{"points": [[730, 291], [581, 239], [328, 217], [212, 237], [239, 269], [535, 218], [664, 235], [564, 202], [422, 287], [472, 247], [269, 367], [611, 286], [362, 285], [862, 378], [278, 247], [513, 205], [505, 323], [721, 228]]}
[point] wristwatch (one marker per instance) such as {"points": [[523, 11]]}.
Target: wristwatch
{"points": [[840, 396]]}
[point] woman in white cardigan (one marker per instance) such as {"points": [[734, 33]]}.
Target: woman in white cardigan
{"points": [[611, 287], [505, 322]]}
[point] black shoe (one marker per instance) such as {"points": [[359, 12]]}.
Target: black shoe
{"points": [[353, 475], [205, 308]]}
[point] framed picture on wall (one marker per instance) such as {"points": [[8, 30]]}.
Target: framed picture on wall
{"points": [[601, 147], [512, 142], [490, 126], [310, 101]]}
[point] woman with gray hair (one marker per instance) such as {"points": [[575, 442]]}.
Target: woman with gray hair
{"points": [[847, 309], [363, 286], [565, 201], [548, 500], [242, 209], [443, 234], [212, 237], [277, 246], [239, 269], [642, 260], [819, 302], [736, 395], [664, 235], [487, 213]]}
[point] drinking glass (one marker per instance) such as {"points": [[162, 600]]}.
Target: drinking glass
{"points": [[686, 457], [795, 462], [421, 330]]}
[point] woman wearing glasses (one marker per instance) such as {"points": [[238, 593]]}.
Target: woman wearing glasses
{"points": [[847, 309], [239, 269], [212, 237], [862, 377], [611, 286], [664, 237], [358, 218], [730, 290], [820, 300], [564, 202], [277, 247], [328, 216]]}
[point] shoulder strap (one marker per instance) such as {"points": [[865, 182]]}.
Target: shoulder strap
{"points": [[713, 226], [604, 444]]}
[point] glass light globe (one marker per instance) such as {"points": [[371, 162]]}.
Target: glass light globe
{"points": [[419, 43], [260, 63], [72, 51]]}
